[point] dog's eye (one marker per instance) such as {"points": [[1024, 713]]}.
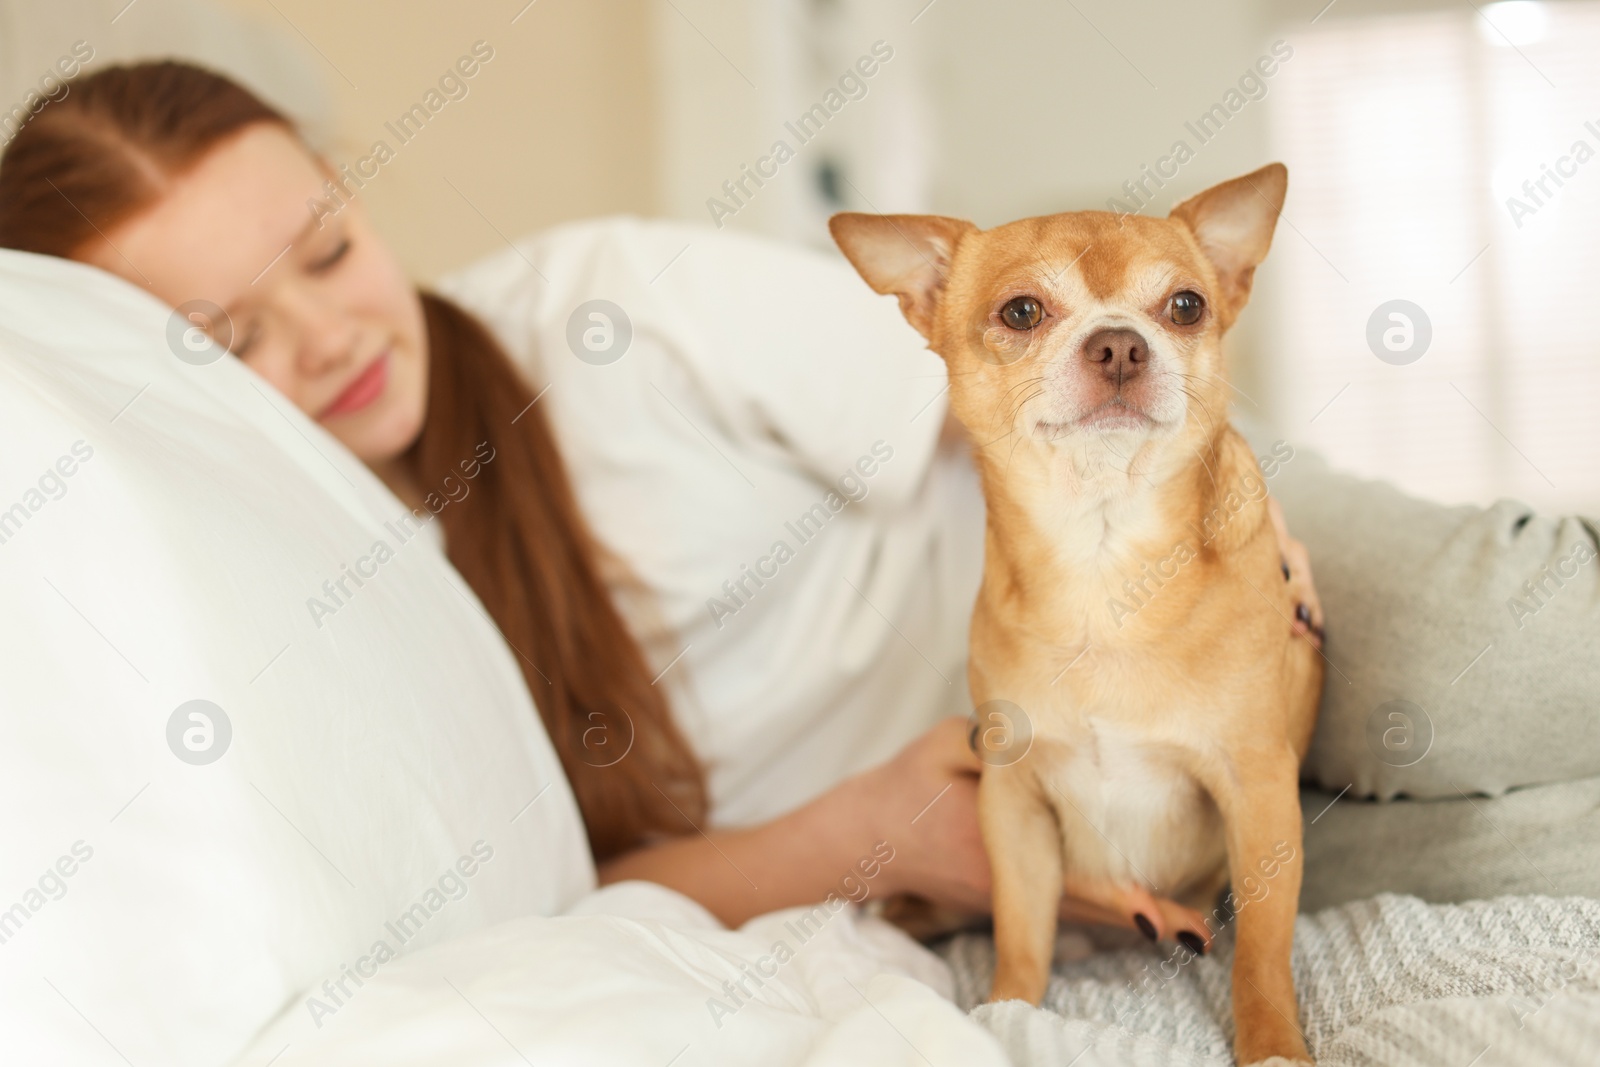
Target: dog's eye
{"points": [[1186, 308], [1022, 313]]}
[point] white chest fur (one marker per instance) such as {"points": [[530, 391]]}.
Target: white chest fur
{"points": [[1129, 813]]}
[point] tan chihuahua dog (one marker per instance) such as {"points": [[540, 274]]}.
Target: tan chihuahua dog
{"points": [[1132, 604]]}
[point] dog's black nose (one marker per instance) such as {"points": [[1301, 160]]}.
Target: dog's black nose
{"points": [[1120, 354]]}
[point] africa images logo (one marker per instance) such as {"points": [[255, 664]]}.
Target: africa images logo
{"points": [[851, 487], [451, 885]]}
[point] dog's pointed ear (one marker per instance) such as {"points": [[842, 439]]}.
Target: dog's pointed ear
{"points": [[907, 255], [1233, 223]]}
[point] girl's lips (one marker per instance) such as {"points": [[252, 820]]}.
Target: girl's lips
{"points": [[367, 387]]}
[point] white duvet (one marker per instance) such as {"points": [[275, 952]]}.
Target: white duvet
{"points": [[637, 974]]}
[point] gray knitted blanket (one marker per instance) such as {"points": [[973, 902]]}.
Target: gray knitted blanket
{"points": [[1386, 982]]}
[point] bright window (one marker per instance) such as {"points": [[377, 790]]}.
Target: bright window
{"points": [[1405, 136]]}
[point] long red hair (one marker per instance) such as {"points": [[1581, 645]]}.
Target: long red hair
{"points": [[99, 155]]}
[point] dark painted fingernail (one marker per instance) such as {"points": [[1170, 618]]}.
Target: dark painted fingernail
{"points": [[1146, 927], [1303, 613], [972, 737], [1285, 567], [1191, 941]]}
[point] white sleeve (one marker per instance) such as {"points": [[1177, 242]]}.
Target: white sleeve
{"points": [[793, 348], [785, 350]]}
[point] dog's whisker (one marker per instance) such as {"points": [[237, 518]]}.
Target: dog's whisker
{"points": [[999, 400], [1204, 464], [1017, 388], [979, 448], [1015, 414]]}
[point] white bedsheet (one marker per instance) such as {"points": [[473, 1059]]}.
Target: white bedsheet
{"points": [[634, 975]]}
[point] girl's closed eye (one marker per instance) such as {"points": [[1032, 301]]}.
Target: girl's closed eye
{"points": [[245, 339], [329, 261], [250, 334]]}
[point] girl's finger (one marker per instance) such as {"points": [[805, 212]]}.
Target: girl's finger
{"points": [[957, 741]]}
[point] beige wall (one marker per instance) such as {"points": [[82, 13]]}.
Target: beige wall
{"points": [[558, 125], [1031, 108], [1082, 107]]}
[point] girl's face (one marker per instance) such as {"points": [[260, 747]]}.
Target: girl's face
{"points": [[317, 304]]}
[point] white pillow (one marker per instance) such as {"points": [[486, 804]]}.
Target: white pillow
{"points": [[163, 527]]}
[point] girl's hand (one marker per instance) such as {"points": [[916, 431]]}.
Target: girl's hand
{"points": [[1297, 572], [924, 803]]}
